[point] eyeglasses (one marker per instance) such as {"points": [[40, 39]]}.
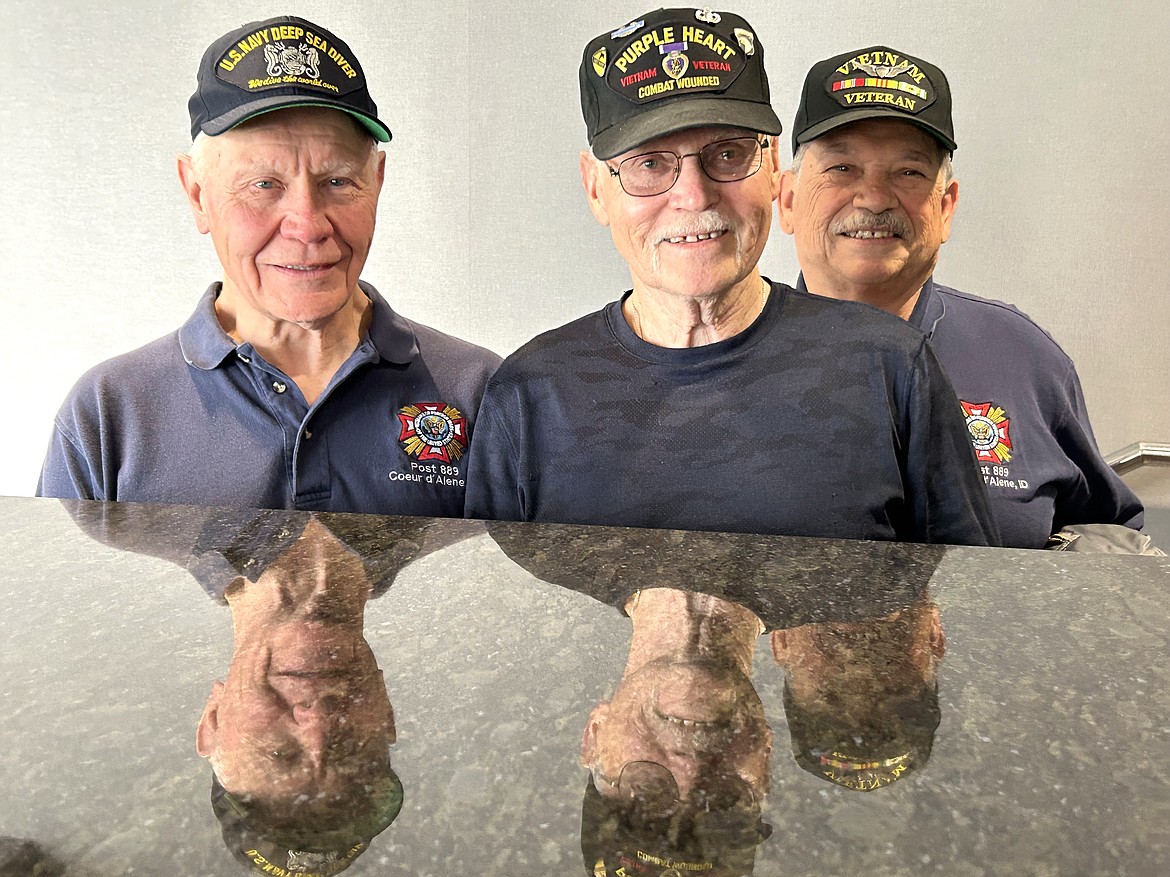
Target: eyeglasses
{"points": [[724, 161]]}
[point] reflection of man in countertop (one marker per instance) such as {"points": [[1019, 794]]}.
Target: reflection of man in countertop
{"points": [[679, 757], [298, 734], [869, 202], [861, 697], [294, 384], [708, 398]]}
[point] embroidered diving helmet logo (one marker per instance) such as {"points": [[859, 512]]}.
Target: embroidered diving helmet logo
{"points": [[988, 425], [299, 61], [432, 431]]}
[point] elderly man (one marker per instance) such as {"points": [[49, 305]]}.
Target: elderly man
{"points": [[707, 397], [869, 201], [294, 384]]}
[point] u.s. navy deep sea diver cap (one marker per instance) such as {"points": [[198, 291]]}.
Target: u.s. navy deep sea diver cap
{"points": [[277, 63], [669, 70], [878, 82]]}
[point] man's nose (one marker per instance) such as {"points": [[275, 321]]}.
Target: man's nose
{"points": [[693, 190], [317, 721], [304, 215], [874, 193]]}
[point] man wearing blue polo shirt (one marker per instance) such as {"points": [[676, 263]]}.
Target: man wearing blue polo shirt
{"points": [[294, 384], [869, 201]]}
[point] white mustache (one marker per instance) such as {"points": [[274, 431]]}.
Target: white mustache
{"points": [[701, 223]]}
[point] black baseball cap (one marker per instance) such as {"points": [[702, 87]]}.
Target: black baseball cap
{"points": [[669, 70], [864, 754], [873, 83], [276, 63], [618, 839], [314, 843]]}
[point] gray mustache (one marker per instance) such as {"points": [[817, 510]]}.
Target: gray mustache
{"points": [[884, 221]]}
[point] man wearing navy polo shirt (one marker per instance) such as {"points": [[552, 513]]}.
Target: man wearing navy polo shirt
{"points": [[294, 384], [869, 201]]}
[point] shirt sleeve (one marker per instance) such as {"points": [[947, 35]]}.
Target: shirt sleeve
{"points": [[494, 490], [68, 471], [1098, 495], [945, 489]]}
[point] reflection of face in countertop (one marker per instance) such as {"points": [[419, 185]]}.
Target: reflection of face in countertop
{"points": [[862, 697], [300, 729], [683, 743]]}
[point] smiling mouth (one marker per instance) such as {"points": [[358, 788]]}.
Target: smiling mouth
{"points": [[306, 268], [867, 234], [696, 724], [695, 238]]}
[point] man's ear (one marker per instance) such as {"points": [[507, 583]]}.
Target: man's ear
{"points": [[193, 187], [589, 739], [786, 201], [950, 200], [207, 732], [938, 639], [391, 728], [779, 640], [592, 178], [774, 166], [381, 171]]}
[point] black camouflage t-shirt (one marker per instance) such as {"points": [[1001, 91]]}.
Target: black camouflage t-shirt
{"points": [[822, 418]]}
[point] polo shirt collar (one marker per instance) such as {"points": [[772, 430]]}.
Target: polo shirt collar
{"points": [[202, 339], [928, 309], [205, 345], [390, 333]]}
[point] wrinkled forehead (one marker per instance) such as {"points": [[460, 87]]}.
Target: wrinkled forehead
{"points": [[302, 121], [688, 139], [895, 137]]}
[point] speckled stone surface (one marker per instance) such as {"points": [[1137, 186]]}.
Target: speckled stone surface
{"points": [[1051, 755]]}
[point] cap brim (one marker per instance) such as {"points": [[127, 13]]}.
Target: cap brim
{"points": [[241, 114], [680, 115], [874, 113]]}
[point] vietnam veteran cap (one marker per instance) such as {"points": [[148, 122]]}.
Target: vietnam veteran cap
{"points": [[865, 754], [878, 82], [281, 62], [673, 69]]}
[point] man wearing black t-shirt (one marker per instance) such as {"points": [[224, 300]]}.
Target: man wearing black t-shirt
{"points": [[707, 397]]}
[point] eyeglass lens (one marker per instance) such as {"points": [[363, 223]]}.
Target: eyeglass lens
{"points": [[724, 161]]}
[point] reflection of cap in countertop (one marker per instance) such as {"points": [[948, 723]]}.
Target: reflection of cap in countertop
{"points": [[313, 849], [617, 840], [880, 749], [669, 70], [274, 64]]}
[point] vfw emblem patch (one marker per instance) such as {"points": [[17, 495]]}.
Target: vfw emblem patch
{"points": [[432, 431], [989, 428]]}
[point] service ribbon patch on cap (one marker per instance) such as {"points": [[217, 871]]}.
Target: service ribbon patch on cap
{"points": [[282, 55], [885, 78], [674, 59], [863, 776]]}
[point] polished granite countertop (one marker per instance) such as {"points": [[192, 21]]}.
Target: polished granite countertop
{"points": [[214, 692]]}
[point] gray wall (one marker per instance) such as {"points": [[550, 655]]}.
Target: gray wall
{"points": [[1061, 125]]}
